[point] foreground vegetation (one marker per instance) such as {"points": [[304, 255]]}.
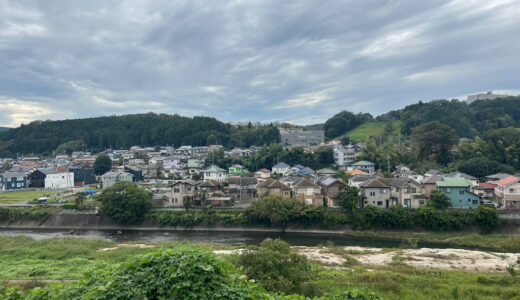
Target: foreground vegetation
{"points": [[118, 273]]}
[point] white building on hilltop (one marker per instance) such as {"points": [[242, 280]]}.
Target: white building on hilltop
{"points": [[487, 96]]}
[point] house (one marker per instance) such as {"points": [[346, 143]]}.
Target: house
{"points": [[330, 189], [496, 177], [472, 179], [281, 168], [58, 180], [263, 173], [138, 173], [290, 181], [111, 177], [308, 192], [408, 192], [211, 186], [366, 166], [508, 192], [298, 137], [485, 190], [13, 181], [401, 168], [409, 174], [377, 193], [458, 190], [180, 189], [326, 172], [355, 172], [36, 179], [429, 184], [433, 172], [343, 156], [272, 187], [83, 176], [213, 172], [236, 170], [242, 188], [357, 180]]}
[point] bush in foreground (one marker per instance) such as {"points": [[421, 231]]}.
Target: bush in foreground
{"points": [[183, 272]]}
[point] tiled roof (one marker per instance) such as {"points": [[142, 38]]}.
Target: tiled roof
{"points": [[507, 181], [271, 183], [374, 183], [210, 183], [363, 163], [499, 175], [281, 165], [304, 182], [243, 180], [432, 179], [487, 185]]}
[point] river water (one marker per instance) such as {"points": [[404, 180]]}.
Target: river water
{"points": [[233, 238]]}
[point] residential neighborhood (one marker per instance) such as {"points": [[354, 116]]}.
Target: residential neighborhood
{"points": [[176, 175]]}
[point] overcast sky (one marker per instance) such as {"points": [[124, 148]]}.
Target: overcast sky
{"points": [[297, 61]]}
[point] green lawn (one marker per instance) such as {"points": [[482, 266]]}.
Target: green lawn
{"points": [[18, 196], [374, 129]]}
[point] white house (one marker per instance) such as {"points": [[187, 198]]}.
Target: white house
{"points": [[344, 156], [281, 168], [214, 173], [58, 180], [366, 166]]}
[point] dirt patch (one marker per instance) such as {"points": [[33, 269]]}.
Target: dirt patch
{"points": [[118, 246], [446, 259], [321, 256]]}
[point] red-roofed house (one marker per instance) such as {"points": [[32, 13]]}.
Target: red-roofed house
{"points": [[485, 190], [508, 192]]}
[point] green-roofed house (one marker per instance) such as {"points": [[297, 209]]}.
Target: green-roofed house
{"points": [[458, 190]]}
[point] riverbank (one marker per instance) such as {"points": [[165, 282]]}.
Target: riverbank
{"points": [[28, 262], [468, 239]]}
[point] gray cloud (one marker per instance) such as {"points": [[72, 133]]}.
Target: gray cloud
{"points": [[299, 61]]}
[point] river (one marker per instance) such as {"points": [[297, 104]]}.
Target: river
{"points": [[232, 238]]}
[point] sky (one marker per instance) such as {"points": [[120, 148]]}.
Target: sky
{"points": [[268, 61]]}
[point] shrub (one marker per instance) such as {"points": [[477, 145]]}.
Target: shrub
{"points": [[487, 219], [125, 202], [275, 266]]}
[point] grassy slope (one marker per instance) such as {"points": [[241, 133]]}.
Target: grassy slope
{"points": [[18, 196], [365, 131]]}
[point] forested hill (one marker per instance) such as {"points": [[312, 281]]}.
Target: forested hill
{"points": [[122, 132], [467, 120], [4, 129]]}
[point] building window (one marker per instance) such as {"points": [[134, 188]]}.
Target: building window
{"points": [[276, 190], [512, 191], [372, 194], [176, 190], [379, 203], [448, 190], [461, 192], [189, 189]]}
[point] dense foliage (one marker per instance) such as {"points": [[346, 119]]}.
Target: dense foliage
{"points": [[275, 266], [433, 141], [439, 200], [122, 132], [125, 202], [349, 198]]}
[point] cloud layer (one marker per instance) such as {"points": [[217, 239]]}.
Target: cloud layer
{"points": [[298, 61]]}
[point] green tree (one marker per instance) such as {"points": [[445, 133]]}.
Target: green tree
{"points": [[349, 198], [433, 141], [343, 122], [439, 200], [125, 202], [487, 219], [275, 266], [186, 202], [102, 164]]}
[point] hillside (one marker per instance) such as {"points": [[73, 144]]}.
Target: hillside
{"points": [[4, 129], [122, 132], [467, 120], [373, 129]]}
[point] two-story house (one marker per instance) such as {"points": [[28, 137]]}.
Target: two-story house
{"points": [[377, 193], [308, 192], [58, 180], [330, 189], [138, 173], [281, 168], [458, 190], [180, 189], [272, 187], [111, 177], [213, 172], [242, 188], [508, 192], [13, 181], [366, 166]]}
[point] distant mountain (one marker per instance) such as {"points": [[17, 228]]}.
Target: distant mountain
{"points": [[122, 132]]}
